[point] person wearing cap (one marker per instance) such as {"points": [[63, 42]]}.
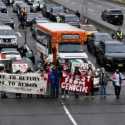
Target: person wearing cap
{"points": [[117, 78]]}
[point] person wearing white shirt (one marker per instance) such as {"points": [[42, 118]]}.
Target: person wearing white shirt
{"points": [[117, 78]]}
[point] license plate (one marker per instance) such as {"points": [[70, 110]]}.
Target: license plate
{"points": [[120, 65]]}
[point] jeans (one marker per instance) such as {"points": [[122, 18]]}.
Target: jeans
{"points": [[103, 90], [55, 91], [117, 91]]}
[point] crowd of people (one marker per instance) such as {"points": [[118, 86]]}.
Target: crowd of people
{"points": [[58, 74]]}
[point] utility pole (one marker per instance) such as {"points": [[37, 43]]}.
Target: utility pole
{"points": [[84, 9]]}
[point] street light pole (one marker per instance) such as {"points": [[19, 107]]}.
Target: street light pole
{"points": [[84, 9]]}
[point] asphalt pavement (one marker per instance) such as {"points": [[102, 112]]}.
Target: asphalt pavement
{"points": [[71, 111]]}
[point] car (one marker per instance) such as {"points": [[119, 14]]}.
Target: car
{"points": [[111, 55], [95, 39], [8, 37], [8, 2], [47, 8], [16, 5], [3, 8], [11, 53], [88, 28], [6, 19], [38, 20], [31, 17], [70, 18], [55, 11], [37, 5], [113, 16]]}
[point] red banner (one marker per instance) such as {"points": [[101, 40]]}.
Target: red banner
{"points": [[76, 83]]}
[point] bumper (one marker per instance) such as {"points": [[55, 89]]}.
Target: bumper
{"points": [[8, 45]]}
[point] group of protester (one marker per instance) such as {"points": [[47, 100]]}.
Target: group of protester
{"points": [[58, 74]]}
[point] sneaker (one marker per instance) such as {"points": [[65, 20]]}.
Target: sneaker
{"points": [[62, 96], [67, 96]]}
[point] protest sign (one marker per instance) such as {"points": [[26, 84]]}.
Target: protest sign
{"points": [[75, 85], [29, 83]]}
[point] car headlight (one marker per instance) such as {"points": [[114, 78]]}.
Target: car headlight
{"points": [[14, 41]]}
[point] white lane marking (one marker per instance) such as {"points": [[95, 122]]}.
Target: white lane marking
{"points": [[69, 114]]}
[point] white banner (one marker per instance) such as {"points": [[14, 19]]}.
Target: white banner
{"points": [[29, 83]]}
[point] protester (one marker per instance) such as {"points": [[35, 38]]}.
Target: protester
{"points": [[119, 34], [23, 16], [78, 13], [76, 76], [65, 75], [18, 95], [54, 81], [2, 70], [117, 78], [58, 19], [103, 80], [29, 70], [90, 74]]}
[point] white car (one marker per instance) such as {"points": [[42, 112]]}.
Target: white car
{"points": [[11, 53], [8, 36]]}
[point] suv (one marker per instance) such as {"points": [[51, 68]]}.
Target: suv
{"points": [[3, 8], [8, 37], [113, 16], [55, 11], [47, 8], [71, 19], [111, 55], [7, 20], [94, 40]]}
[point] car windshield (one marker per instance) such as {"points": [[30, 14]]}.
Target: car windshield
{"points": [[103, 37], [71, 18], [8, 50], [70, 47], [113, 48], [115, 11]]}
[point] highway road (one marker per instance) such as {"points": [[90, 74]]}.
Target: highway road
{"points": [[92, 9], [47, 111]]}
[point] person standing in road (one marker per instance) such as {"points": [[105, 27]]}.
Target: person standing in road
{"points": [[2, 70], [117, 78], [54, 81], [78, 14], [103, 79]]}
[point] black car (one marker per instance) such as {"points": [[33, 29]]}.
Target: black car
{"points": [[47, 8], [55, 11], [31, 17], [3, 8], [70, 18], [111, 55], [113, 16], [7, 20], [95, 39]]}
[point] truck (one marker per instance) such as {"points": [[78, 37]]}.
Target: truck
{"points": [[62, 39]]}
